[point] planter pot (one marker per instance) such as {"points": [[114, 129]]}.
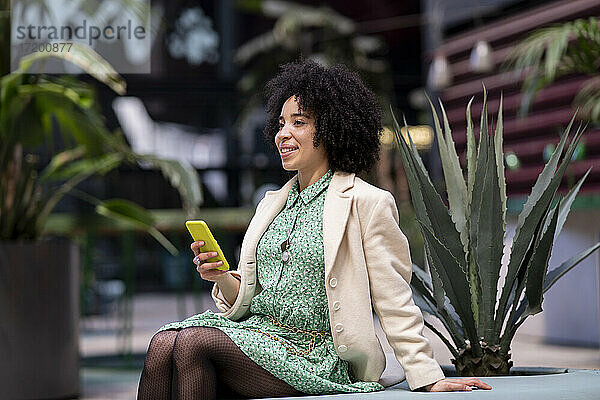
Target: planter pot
{"points": [[39, 313]]}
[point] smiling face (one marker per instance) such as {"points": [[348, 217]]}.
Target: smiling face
{"points": [[295, 141]]}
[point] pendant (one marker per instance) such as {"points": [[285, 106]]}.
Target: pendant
{"points": [[285, 255]]}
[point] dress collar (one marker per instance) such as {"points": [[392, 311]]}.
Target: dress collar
{"points": [[309, 193]]}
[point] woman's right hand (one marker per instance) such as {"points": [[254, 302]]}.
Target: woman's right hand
{"points": [[207, 271]]}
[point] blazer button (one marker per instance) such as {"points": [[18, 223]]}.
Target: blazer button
{"points": [[342, 348], [336, 305], [333, 282], [339, 328]]}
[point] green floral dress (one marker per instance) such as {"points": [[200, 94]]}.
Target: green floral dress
{"points": [[287, 332]]}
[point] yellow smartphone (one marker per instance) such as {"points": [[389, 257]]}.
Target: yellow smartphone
{"points": [[199, 231]]}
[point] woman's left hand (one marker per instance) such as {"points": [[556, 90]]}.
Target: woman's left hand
{"points": [[451, 385]]}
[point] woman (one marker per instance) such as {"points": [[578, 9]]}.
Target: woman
{"points": [[318, 255]]}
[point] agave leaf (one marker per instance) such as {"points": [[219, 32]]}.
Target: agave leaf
{"points": [[483, 123], [442, 338], [475, 208], [471, 156], [536, 270], [534, 208], [475, 201], [519, 286], [436, 210], [555, 274], [444, 312], [438, 288], [411, 175], [454, 282], [567, 202], [129, 212], [453, 174], [423, 277], [551, 278], [425, 304], [500, 164], [488, 246], [520, 281], [547, 198]]}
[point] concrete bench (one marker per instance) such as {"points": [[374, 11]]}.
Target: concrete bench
{"points": [[573, 385]]}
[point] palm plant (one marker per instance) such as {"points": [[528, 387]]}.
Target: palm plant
{"points": [[464, 243], [562, 49], [32, 108]]}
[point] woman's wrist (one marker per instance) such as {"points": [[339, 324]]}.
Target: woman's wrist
{"points": [[221, 278], [229, 286]]}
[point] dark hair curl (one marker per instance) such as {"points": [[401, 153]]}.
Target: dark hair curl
{"points": [[348, 116]]}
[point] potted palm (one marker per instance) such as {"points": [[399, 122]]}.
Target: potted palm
{"points": [[39, 284], [464, 243], [562, 49]]}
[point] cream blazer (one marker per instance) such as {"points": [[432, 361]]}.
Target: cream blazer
{"points": [[367, 265]]}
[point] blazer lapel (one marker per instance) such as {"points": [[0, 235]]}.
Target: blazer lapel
{"points": [[273, 204], [335, 216]]}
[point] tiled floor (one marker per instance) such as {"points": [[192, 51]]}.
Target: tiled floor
{"points": [[105, 376]]}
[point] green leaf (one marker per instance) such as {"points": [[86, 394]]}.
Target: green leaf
{"points": [[182, 176], [536, 270], [567, 202], [416, 181], [129, 212], [471, 153], [534, 209], [442, 338], [444, 312], [454, 281], [85, 58], [499, 151], [555, 50], [486, 234], [475, 217], [411, 175], [556, 273], [106, 162], [453, 175], [59, 160], [435, 209], [551, 278], [126, 211]]}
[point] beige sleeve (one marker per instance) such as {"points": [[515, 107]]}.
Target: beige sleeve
{"points": [[389, 268], [220, 301]]}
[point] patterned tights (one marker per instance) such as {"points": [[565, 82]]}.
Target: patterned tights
{"points": [[203, 363]]}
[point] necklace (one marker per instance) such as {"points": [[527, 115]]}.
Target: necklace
{"points": [[285, 254]]}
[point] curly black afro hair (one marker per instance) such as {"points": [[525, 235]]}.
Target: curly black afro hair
{"points": [[348, 116]]}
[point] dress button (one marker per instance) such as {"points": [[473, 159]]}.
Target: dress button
{"points": [[336, 305], [339, 328], [333, 282], [342, 348]]}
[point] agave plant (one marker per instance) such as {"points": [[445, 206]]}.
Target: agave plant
{"points": [[31, 108], [549, 53], [464, 243]]}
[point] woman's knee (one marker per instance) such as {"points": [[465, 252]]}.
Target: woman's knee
{"points": [[193, 343], [160, 349], [163, 340]]}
